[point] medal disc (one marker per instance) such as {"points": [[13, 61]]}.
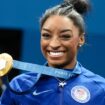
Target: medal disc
{"points": [[6, 62]]}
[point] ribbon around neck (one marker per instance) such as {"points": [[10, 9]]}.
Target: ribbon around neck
{"points": [[7, 63]]}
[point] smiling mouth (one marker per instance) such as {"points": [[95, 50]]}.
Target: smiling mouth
{"points": [[56, 53]]}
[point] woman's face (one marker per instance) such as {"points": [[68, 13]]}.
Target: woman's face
{"points": [[59, 41]]}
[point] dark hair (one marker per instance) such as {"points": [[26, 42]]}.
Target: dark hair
{"points": [[73, 9]]}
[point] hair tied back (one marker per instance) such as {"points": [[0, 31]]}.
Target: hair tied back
{"points": [[81, 6], [66, 3]]}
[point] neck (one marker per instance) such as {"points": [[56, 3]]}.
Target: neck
{"points": [[65, 66]]}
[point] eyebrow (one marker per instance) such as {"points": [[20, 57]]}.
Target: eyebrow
{"points": [[65, 30], [46, 29], [62, 31]]}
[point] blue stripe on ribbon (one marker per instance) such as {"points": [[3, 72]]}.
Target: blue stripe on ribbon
{"points": [[42, 69]]}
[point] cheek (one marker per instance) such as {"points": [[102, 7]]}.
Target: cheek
{"points": [[75, 42], [43, 46], [73, 46]]}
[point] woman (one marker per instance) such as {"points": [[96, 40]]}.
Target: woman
{"points": [[62, 34]]}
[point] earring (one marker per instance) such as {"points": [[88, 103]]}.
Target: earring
{"points": [[80, 45]]}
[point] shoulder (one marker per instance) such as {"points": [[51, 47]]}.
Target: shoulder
{"points": [[97, 79], [24, 81]]}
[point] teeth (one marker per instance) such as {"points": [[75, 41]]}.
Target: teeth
{"points": [[56, 53]]}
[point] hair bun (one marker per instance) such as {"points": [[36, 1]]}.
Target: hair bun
{"points": [[81, 6]]}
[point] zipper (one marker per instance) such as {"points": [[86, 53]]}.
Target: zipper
{"points": [[61, 96], [61, 92]]}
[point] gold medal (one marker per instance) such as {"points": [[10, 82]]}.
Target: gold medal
{"points": [[6, 63]]}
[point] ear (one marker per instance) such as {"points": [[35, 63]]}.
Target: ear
{"points": [[81, 40]]}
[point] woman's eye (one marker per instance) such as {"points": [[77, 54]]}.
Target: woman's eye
{"points": [[65, 37], [45, 36]]}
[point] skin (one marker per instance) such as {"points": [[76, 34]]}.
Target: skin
{"points": [[60, 40]]}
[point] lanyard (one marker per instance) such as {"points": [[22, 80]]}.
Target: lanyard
{"points": [[37, 69], [65, 74], [42, 69]]}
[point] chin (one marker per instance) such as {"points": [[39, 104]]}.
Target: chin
{"points": [[57, 65]]}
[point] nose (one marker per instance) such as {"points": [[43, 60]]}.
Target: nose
{"points": [[55, 43]]}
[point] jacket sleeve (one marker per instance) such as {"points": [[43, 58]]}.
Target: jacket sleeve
{"points": [[6, 98], [20, 83]]}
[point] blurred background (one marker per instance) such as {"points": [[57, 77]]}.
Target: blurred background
{"points": [[20, 32]]}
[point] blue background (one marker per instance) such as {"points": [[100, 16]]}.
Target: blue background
{"points": [[25, 15]]}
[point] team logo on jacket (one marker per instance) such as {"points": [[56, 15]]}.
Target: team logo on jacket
{"points": [[80, 94]]}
